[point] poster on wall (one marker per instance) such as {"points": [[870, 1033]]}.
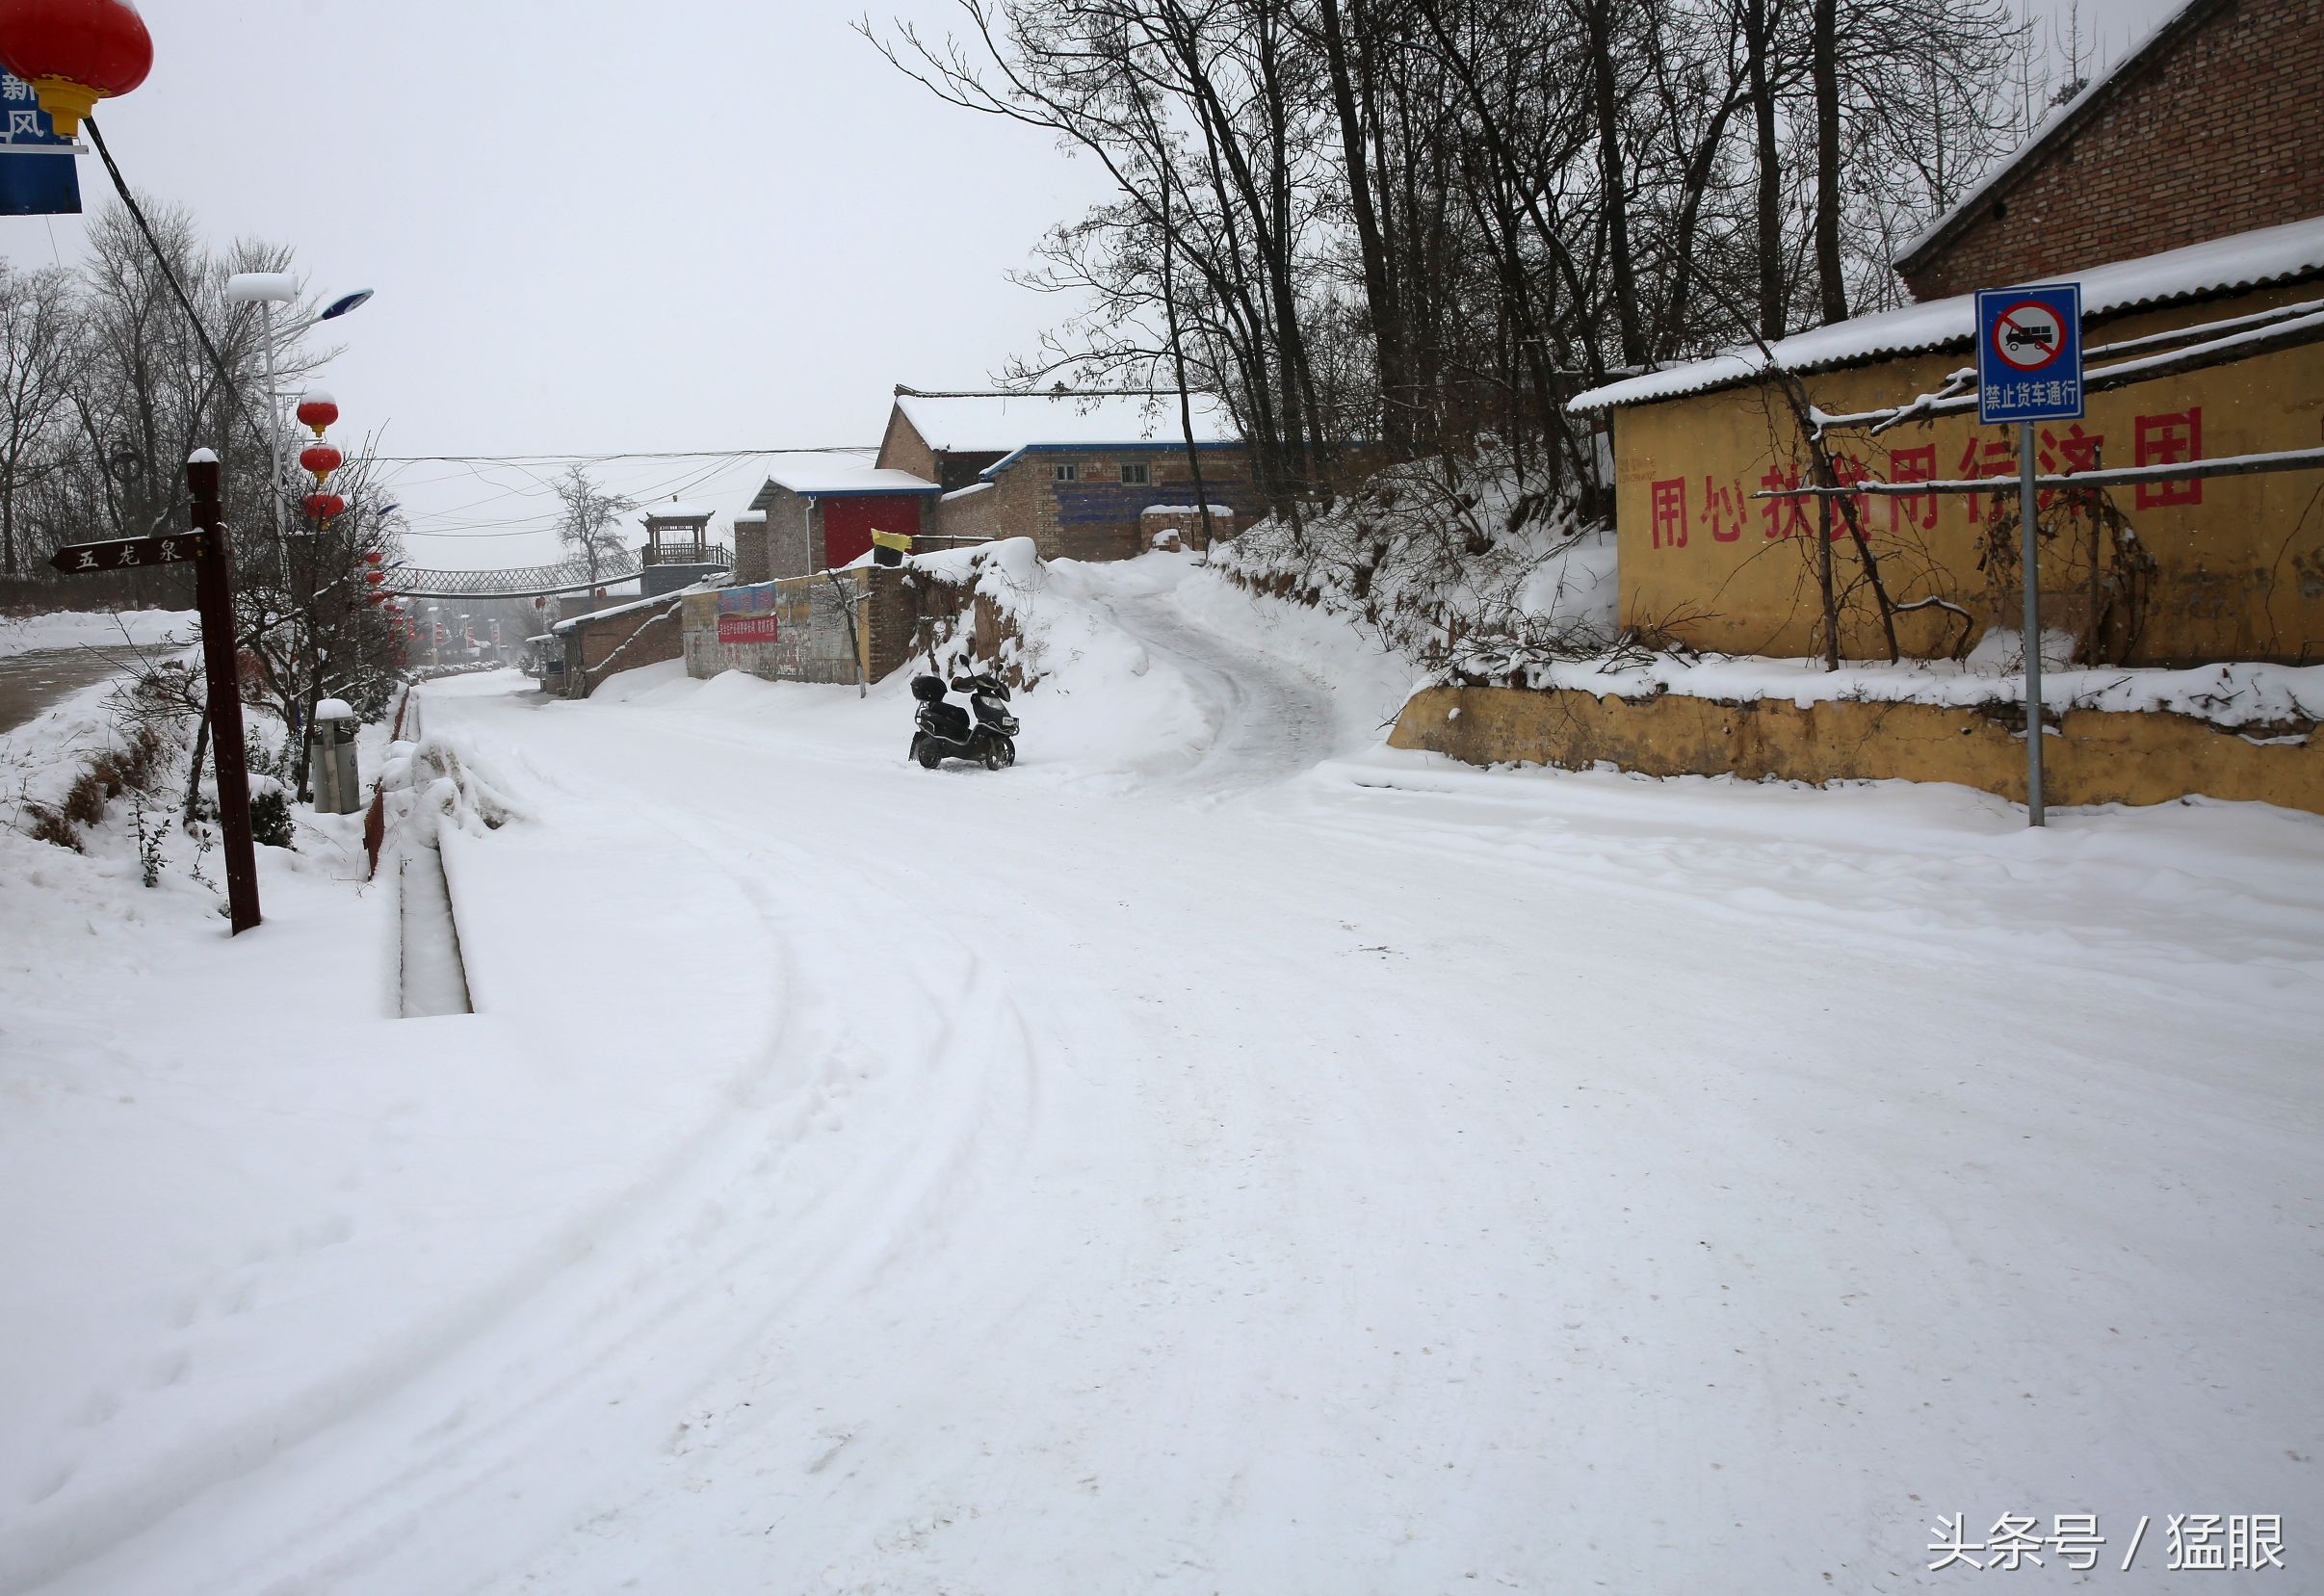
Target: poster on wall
{"points": [[747, 615]]}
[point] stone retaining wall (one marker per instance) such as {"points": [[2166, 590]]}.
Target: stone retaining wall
{"points": [[2093, 756]]}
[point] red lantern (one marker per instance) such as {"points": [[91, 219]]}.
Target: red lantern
{"points": [[375, 578], [322, 505], [317, 409], [321, 458], [74, 53], [372, 557]]}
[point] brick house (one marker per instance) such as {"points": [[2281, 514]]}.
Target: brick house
{"points": [[818, 512], [2213, 125], [1076, 473]]}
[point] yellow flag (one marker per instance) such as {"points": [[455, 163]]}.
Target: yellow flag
{"points": [[900, 542]]}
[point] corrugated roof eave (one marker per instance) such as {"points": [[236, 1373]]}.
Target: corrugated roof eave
{"points": [[1749, 366]]}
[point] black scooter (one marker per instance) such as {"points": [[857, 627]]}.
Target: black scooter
{"points": [[947, 731]]}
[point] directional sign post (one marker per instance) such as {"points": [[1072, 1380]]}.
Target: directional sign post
{"points": [[205, 550], [2029, 369], [129, 554]]}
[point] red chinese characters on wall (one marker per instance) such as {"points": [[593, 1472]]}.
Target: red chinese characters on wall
{"points": [[1782, 517], [1669, 502], [1986, 458], [1916, 511], [1850, 509], [2170, 439], [1725, 510], [2073, 450]]}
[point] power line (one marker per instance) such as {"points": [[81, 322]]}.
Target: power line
{"points": [[632, 455], [161, 259]]}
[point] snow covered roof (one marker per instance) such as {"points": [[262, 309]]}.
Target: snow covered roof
{"points": [[1000, 423], [2056, 125], [2245, 260], [631, 606], [840, 477], [676, 511]]}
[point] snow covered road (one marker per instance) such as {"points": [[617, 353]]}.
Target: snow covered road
{"points": [[1284, 1167]]}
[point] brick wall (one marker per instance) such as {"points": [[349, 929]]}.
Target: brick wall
{"points": [[1097, 516], [599, 647], [814, 618], [750, 547], [976, 512], [794, 541], [1185, 527], [902, 448], [2221, 131], [1009, 507]]}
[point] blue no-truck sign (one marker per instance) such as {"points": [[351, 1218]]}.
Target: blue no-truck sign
{"points": [[2030, 352]]}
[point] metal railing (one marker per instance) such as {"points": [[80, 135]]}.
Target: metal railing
{"points": [[565, 576]]}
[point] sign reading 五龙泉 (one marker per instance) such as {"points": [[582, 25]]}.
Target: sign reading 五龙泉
{"points": [[126, 554], [2029, 354]]}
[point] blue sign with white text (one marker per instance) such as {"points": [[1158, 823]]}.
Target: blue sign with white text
{"points": [[2030, 352], [37, 174]]}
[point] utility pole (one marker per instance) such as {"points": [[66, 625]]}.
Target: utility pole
{"points": [[213, 589]]}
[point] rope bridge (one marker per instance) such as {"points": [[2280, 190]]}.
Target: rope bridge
{"points": [[567, 576]]}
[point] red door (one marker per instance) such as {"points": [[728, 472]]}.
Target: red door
{"points": [[848, 524]]}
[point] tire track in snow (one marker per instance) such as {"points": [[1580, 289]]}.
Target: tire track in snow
{"points": [[728, 1216], [1272, 721]]}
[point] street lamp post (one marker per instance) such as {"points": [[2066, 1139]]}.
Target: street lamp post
{"points": [[267, 290]]}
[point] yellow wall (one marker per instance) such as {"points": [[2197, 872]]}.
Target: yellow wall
{"points": [[2240, 575], [2097, 756]]}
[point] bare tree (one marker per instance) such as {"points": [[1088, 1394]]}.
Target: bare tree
{"points": [[39, 346], [1419, 225], [590, 519]]}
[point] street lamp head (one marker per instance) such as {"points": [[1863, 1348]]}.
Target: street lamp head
{"points": [[344, 304], [262, 287]]}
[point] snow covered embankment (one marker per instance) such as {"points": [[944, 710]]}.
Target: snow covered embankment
{"points": [[1479, 583], [1456, 565], [1160, 667], [313, 1212]]}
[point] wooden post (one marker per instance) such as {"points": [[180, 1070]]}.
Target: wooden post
{"points": [[213, 595]]}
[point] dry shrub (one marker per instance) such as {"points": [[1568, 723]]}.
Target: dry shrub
{"points": [[44, 824], [107, 776]]}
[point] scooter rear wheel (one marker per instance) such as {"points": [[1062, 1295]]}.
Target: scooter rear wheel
{"points": [[925, 749]]}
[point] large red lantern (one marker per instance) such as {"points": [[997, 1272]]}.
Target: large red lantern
{"points": [[321, 458], [74, 53], [322, 505], [317, 409], [375, 578], [372, 557]]}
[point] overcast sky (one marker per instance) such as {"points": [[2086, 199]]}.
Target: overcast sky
{"points": [[600, 225]]}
